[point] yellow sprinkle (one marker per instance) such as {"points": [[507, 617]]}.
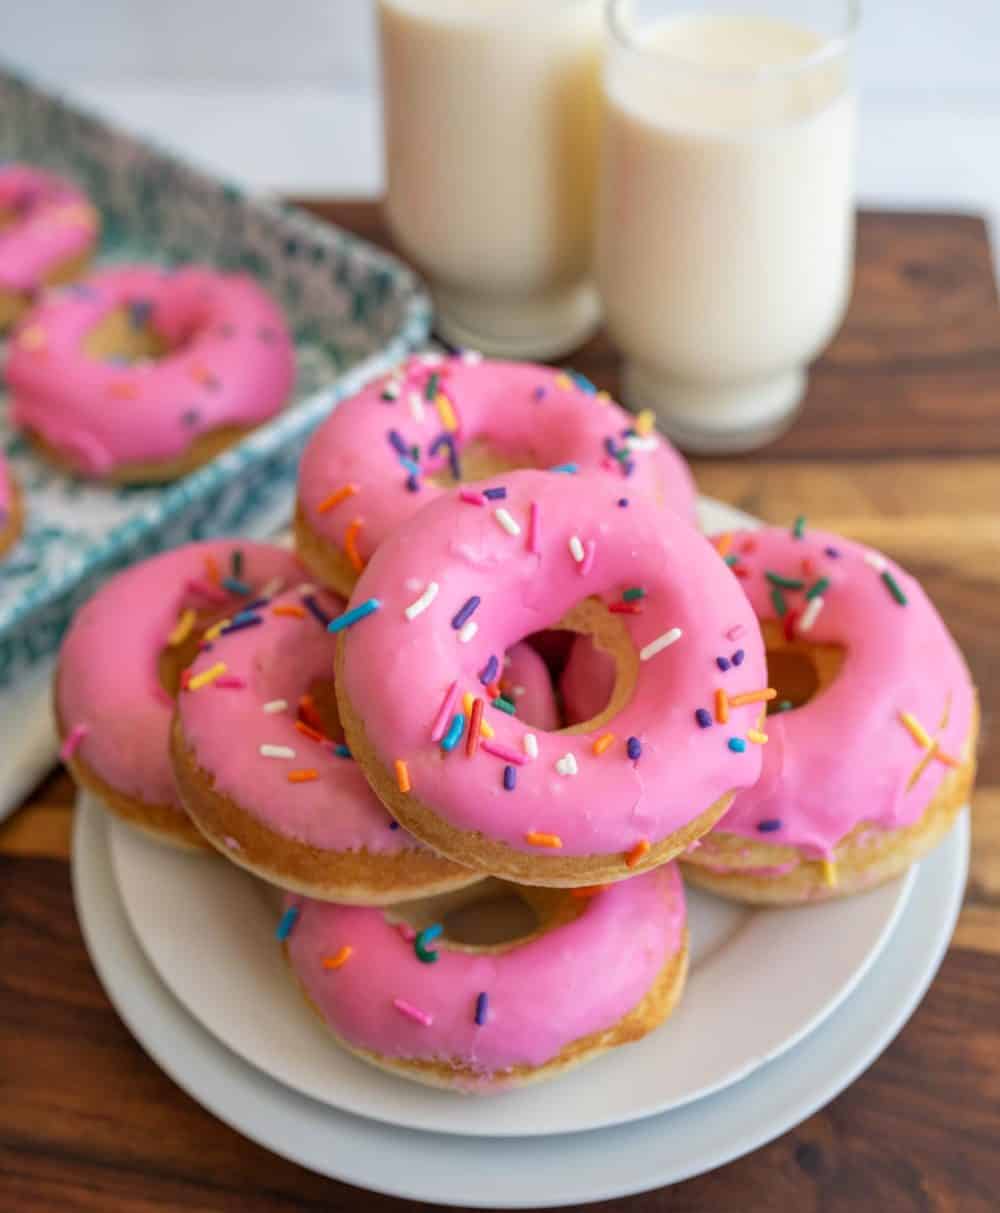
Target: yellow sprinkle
{"points": [[916, 730], [336, 498], [485, 730], [183, 628], [339, 958], [602, 743], [207, 676], [402, 775], [637, 853], [446, 413], [829, 870], [757, 736], [603, 397], [32, 338], [563, 382], [216, 629], [543, 840], [645, 422]]}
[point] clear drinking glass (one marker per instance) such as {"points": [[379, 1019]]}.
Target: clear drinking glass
{"points": [[491, 112], [726, 213]]}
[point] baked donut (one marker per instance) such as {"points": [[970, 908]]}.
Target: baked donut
{"points": [[11, 513], [48, 231], [406, 438], [475, 572], [141, 374], [872, 736], [122, 661], [445, 998]]}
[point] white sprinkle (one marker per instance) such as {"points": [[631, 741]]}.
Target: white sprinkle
{"points": [[506, 520], [272, 587], [416, 406], [567, 765], [305, 589], [423, 602], [642, 444], [877, 562], [576, 549], [276, 705], [531, 745], [809, 614], [431, 359], [517, 692], [467, 631], [276, 751], [660, 643], [471, 356], [391, 389]]}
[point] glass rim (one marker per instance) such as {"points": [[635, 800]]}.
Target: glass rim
{"points": [[828, 50]]}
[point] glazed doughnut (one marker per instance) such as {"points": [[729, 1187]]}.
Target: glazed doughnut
{"points": [[122, 660], [142, 374], [48, 231], [479, 1016], [264, 774], [476, 571], [11, 514], [406, 438], [872, 737]]}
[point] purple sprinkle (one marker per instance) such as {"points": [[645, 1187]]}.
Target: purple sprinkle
{"points": [[393, 825], [239, 624], [634, 748], [622, 502], [722, 663], [609, 446], [510, 777], [539, 393], [495, 494], [704, 718], [482, 1008], [465, 611], [489, 671], [628, 467], [312, 605], [190, 417], [769, 826], [397, 443], [737, 658], [412, 484], [832, 552]]}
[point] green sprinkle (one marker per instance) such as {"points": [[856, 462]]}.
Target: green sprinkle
{"points": [[778, 599], [894, 587], [786, 583], [505, 705], [432, 386], [799, 527], [633, 593], [732, 560], [818, 587]]}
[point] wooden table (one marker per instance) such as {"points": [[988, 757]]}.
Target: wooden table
{"points": [[899, 446]]}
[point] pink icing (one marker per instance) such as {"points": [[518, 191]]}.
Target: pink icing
{"points": [[108, 679], [54, 223], [542, 995], [231, 362], [521, 410], [613, 802]]}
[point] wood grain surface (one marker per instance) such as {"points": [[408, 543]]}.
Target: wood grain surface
{"points": [[898, 446]]}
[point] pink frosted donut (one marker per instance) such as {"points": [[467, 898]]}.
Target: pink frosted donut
{"points": [[10, 508], [48, 231], [226, 364], [265, 775], [399, 443], [478, 570], [482, 1018], [125, 646]]}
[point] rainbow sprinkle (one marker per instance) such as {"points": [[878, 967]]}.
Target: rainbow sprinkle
{"points": [[769, 825], [721, 707], [506, 520], [817, 588], [276, 751], [470, 497], [489, 671], [307, 775], [503, 752], [765, 695], [445, 712], [785, 583], [633, 747], [633, 594], [704, 718], [510, 777], [756, 736], [351, 544], [530, 743], [916, 730], [274, 706], [353, 616], [829, 871], [446, 412], [412, 1012], [894, 587], [287, 923], [576, 548], [472, 738], [811, 614], [737, 745], [567, 765], [603, 742], [454, 733], [465, 612], [183, 628], [534, 528], [799, 527]]}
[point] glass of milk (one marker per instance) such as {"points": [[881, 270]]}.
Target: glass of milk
{"points": [[726, 216], [491, 112]]}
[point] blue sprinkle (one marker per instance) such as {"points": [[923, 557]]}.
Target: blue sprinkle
{"points": [[769, 826], [409, 465], [583, 382], [497, 494], [569, 468], [465, 611], [424, 937], [235, 586], [737, 658], [704, 718], [397, 443], [510, 778], [737, 745], [622, 502], [313, 606], [412, 484], [342, 751], [287, 923], [369, 607], [393, 825], [482, 1008], [722, 663], [489, 671], [239, 624], [454, 734], [633, 748], [429, 934], [832, 552]]}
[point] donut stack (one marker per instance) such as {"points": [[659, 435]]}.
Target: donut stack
{"points": [[508, 685]]}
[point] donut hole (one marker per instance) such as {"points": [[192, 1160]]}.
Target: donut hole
{"points": [[124, 335], [318, 709], [555, 646], [798, 670], [174, 659], [478, 460]]}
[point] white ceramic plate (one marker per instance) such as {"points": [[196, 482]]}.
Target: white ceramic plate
{"points": [[521, 1172]]}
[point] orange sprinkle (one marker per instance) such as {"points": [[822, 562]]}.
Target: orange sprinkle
{"points": [[308, 731], [351, 545], [212, 570], [638, 852], [947, 759], [122, 389], [602, 743], [756, 736], [590, 890], [808, 568], [339, 958], [543, 840], [289, 610], [723, 543], [493, 690], [335, 498], [721, 706], [305, 776], [307, 710], [737, 701], [402, 775]]}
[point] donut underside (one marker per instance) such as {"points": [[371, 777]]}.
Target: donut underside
{"points": [[10, 532], [325, 561], [350, 877], [13, 303]]}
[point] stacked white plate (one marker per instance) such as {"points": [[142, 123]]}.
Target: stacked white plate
{"points": [[782, 1010]]}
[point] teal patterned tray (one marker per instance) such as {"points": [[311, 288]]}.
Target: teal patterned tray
{"points": [[354, 312]]}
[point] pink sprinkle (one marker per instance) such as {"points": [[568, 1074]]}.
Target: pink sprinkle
{"points": [[736, 632], [587, 563], [407, 932], [499, 750], [412, 1012], [205, 590], [230, 682], [72, 743], [534, 528], [231, 843], [445, 712], [471, 497]]}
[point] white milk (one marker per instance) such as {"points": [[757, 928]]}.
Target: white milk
{"points": [[492, 119], [726, 233]]}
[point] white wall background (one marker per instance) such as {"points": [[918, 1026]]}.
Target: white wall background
{"points": [[279, 94]]}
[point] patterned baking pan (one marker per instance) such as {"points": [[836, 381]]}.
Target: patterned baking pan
{"points": [[354, 311]]}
